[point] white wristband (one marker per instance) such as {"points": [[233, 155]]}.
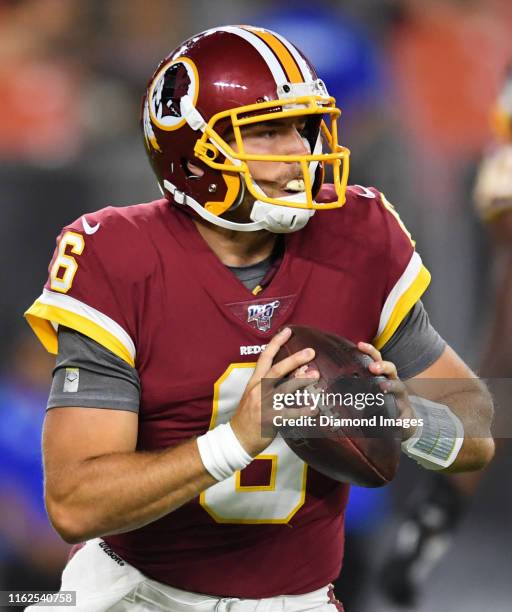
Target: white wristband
{"points": [[436, 443], [221, 452]]}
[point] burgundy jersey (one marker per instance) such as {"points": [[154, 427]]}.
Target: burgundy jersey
{"points": [[142, 282]]}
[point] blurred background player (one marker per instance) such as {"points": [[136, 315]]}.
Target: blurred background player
{"points": [[435, 510]]}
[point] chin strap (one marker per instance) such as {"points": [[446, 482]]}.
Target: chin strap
{"points": [[270, 217], [182, 198], [280, 219]]}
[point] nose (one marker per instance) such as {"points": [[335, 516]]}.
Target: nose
{"points": [[295, 143]]}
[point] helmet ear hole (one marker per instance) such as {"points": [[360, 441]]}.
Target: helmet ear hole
{"points": [[191, 169]]}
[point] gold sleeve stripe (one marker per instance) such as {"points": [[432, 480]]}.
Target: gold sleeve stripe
{"points": [[405, 281], [39, 317], [287, 61], [403, 305], [49, 311]]}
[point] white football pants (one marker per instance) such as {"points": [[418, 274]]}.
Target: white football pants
{"points": [[102, 584]]}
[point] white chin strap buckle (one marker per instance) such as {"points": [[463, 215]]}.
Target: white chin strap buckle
{"points": [[281, 219]]}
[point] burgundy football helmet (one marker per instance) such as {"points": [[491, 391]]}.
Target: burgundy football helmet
{"points": [[213, 85]]}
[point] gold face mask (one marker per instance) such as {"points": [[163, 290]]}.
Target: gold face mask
{"points": [[312, 165]]}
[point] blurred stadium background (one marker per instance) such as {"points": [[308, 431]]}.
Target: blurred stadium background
{"points": [[415, 79]]}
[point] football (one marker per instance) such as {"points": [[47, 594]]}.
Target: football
{"points": [[353, 442]]}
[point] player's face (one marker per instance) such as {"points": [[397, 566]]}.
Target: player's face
{"points": [[276, 137]]}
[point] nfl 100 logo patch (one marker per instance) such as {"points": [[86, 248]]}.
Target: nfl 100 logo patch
{"points": [[261, 314]]}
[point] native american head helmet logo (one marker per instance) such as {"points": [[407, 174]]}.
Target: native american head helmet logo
{"points": [[176, 79]]}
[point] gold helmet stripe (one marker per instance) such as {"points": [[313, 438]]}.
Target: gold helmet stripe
{"points": [[268, 56], [282, 53], [307, 72]]}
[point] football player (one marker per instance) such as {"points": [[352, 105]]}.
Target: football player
{"points": [[159, 313], [434, 513]]}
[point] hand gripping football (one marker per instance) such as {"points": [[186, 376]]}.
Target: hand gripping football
{"points": [[354, 446]]}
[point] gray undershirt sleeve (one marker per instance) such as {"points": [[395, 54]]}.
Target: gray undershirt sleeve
{"points": [[415, 345], [87, 374]]}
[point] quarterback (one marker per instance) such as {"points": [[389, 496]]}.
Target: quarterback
{"points": [[155, 465]]}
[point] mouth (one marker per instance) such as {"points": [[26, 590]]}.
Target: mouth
{"points": [[295, 186]]}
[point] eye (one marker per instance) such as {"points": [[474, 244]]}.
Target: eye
{"points": [[268, 133], [302, 129]]}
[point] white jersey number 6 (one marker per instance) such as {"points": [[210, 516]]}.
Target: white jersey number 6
{"points": [[276, 501]]}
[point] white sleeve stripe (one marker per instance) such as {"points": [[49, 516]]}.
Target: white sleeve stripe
{"points": [[404, 282], [66, 302]]}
